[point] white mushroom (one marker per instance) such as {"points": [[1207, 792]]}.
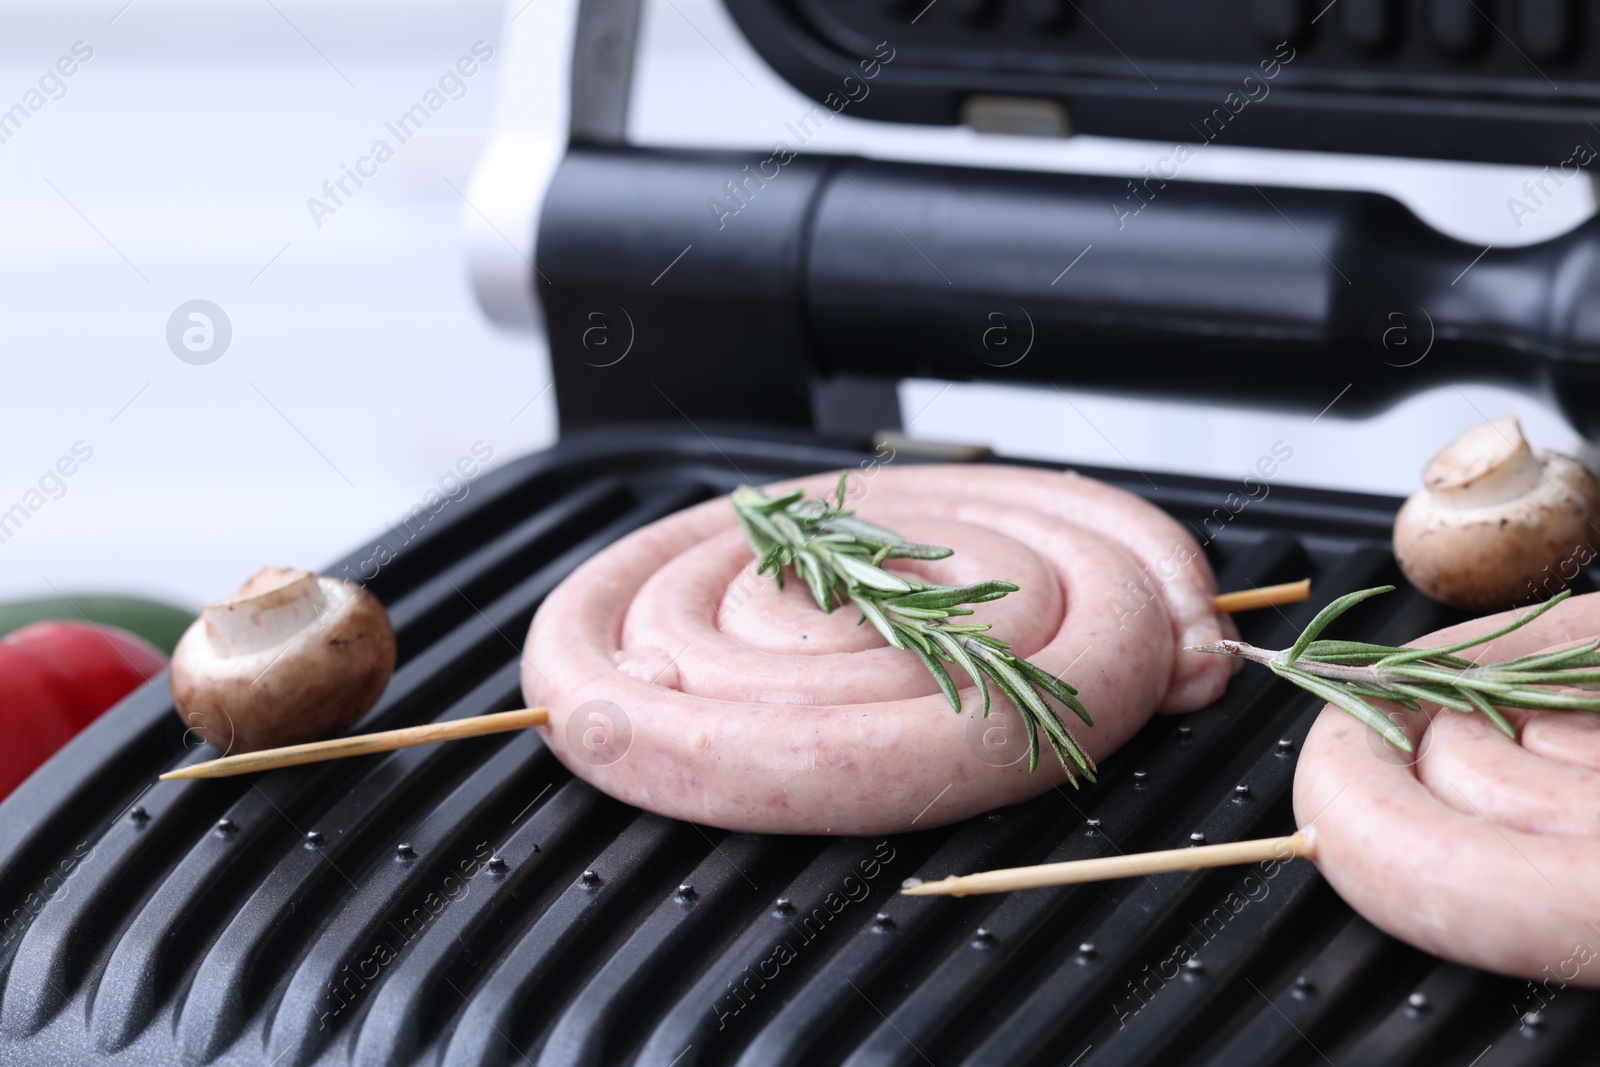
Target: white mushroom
{"points": [[1495, 524], [290, 657]]}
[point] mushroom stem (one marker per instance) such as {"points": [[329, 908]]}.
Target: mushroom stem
{"points": [[1496, 525], [1487, 466], [274, 605]]}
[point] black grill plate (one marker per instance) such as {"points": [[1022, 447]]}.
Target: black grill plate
{"points": [[135, 931]]}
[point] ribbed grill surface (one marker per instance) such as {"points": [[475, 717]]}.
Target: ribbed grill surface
{"points": [[277, 919]]}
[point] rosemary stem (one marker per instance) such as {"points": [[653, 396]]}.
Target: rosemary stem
{"points": [[1338, 672], [1350, 674], [1478, 678]]}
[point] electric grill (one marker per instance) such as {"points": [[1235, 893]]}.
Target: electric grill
{"points": [[473, 903]]}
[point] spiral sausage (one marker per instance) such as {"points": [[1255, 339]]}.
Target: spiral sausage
{"points": [[1478, 849], [680, 681]]}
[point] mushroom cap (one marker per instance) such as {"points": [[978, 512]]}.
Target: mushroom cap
{"points": [[1496, 525], [290, 657]]}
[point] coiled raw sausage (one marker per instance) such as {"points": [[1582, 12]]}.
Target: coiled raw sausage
{"points": [[1478, 849], [681, 682]]}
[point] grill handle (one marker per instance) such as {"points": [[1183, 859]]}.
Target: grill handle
{"points": [[742, 282]]}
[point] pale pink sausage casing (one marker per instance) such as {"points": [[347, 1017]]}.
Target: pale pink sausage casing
{"points": [[679, 681], [1478, 849]]}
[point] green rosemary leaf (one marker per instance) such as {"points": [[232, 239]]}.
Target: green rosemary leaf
{"points": [[1491, 713], [1408, 654], [859, 573], [760, 544], [1439, 695], [1062, 741], [880, 622], [1003, 669], [1063, 755], [776, 559], [1054, 686], [877, 538], [913, 635], [1391, 693], [1066, 747], [908, 551], [1325, 647], [767, 505], [940, 675], [914, 613], [777, 572], [948, 596], [1360, 653], [1033, 738], [861, 530], [1578, 656], [1340, 697], [1544, 699], [766, 527], [810, 571], [953, 650], [1045, 677], [1015, 690], [1439, 676], [1579, 679], [991, 641], [789, 530], [1376, 692], [1327, 615]]}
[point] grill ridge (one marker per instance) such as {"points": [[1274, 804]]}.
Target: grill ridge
{"points": [[875, 950], [437, 604], [604, 1020], [257, 949], [413, 1002], [544, 962], [58, 952], [392, 902], [187, 909], [788, 944]]}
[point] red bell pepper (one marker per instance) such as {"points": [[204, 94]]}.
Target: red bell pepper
{"points": [[55, 679]]}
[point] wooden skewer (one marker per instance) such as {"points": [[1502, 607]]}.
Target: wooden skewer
{"points": [[1268, 596], [388, 740], [1100, 870], [361, 745]]}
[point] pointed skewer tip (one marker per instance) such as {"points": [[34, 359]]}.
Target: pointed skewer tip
{"points": [[362, 744], [1301, 844]]}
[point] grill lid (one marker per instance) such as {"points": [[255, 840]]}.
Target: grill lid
{"points": [[1445, 79]]}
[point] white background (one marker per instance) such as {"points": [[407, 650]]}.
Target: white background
{"points": [[360, 367], [178, 166]]}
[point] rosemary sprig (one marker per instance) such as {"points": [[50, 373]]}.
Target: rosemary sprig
{"points": [[1351, 674], [839, 558]]}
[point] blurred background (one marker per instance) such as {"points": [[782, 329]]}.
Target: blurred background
{"points": [[360, 342]]}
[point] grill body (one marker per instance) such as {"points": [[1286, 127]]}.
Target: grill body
{"points": [[277, 919]]}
